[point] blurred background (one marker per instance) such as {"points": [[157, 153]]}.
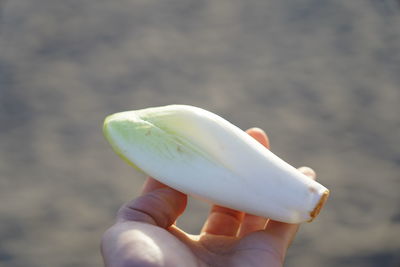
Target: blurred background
{"points": [[321, 77]]}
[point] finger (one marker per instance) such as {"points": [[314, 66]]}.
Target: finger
{"points": [[260, 136], [284, 233], [158, 205], [225, 221], [252, 223], [151, 184], [222, 221], [308, 172]]}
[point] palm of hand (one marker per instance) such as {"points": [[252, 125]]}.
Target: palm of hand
{"points": [[145, 233], [149, 245]]}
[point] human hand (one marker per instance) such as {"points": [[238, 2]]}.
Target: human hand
{"points": [[145, 233]]}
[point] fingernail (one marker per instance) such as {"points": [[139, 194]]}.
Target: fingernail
{"points": [[308, 171], [257, 130]]}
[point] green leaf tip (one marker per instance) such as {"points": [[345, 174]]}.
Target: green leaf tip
{"points": [[135, 135]]}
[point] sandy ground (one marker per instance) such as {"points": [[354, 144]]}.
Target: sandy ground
{"points": [[321, 77]]}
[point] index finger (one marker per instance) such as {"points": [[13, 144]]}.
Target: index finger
{"points": [[151, 184]]}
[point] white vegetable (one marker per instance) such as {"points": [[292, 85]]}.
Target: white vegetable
{"points": [[203, 155]]}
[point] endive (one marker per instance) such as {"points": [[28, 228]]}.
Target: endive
{"points": [[203, 155]]}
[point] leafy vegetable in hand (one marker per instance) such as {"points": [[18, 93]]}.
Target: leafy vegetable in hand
{"points": [[203, 155]]}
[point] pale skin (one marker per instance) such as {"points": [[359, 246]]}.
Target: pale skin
{"points": [[145, 233]]}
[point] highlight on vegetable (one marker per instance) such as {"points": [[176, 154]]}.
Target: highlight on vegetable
{"points": [[203, 155]]}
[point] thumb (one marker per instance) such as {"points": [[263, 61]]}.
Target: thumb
{"points": [[160, 207]]}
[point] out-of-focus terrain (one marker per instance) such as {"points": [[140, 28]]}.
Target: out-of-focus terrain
{"points": [[321, 77]]}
